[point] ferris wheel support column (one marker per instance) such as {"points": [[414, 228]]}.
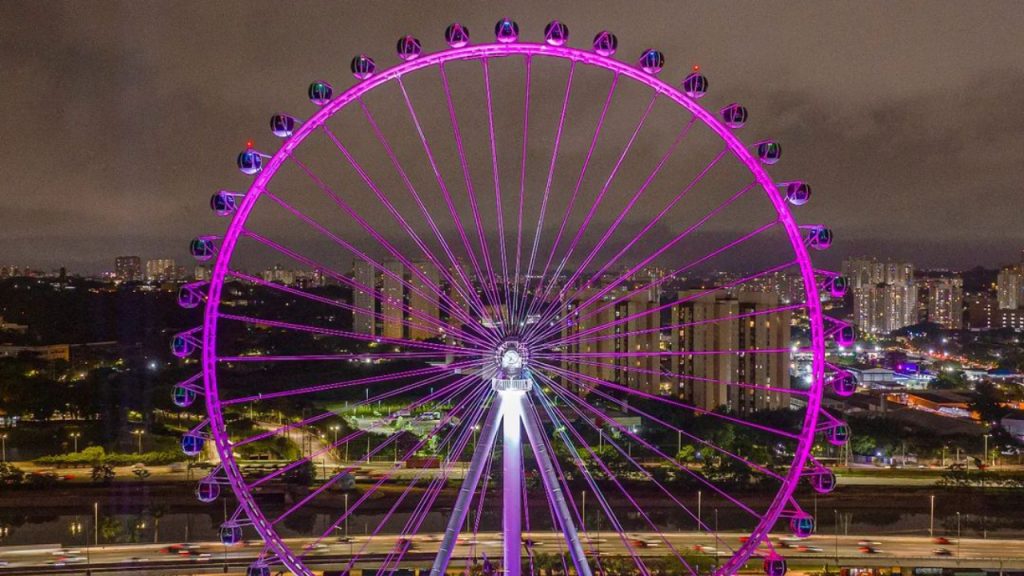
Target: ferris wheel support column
{"points": [[488, 435], [553, 488], [512, 479]]}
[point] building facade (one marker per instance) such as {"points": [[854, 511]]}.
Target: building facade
{"points": [[742, 322], [884, 294], [945, 302], [128, 268]]}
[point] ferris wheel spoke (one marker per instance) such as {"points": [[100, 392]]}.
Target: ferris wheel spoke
{"points": [[288, 428], [572, 340], [563, 484], [629, 206], [659, 353], [547, 191], [453, 261], [664, 248], [556, 326], [582, 228], [470, 400], [466, 401], [439, 396], [357, 356], [581, 406], [576, 190], [679, 431], [468, 284], [445, 348], [439, 371], [454, 308], [661, 373], [561, 426], [499, 213], [572, 399], [346, 306], [514, 304], [662, 214], [488, 279], [611, 476], [590, 382], [415, 521], [341, 278]]}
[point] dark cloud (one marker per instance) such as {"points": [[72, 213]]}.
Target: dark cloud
{"points": [[121, 118]]}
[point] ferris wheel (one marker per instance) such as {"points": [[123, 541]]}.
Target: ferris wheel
{"points": [[511, 237]]}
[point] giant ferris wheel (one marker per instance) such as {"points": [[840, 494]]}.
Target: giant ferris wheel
{"points": [[529, 224]]}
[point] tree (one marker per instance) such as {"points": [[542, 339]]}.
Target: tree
{"points": [[949, 381], [103, 473], [10, 475], [988, 402]]}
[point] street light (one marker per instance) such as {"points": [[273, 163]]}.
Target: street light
{"points": [[335, 428], [3, 441], [75, 436], [138, 433], [931, 517], [958, 537], [836, 514], [985, 456], [699, 529]]}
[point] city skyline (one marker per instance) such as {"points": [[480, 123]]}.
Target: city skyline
{"points": [[660, 288]]}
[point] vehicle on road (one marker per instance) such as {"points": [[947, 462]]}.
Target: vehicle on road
{"points": [[804, 548], [869, 550], [942, 552]]}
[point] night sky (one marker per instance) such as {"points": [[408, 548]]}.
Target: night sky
{"points": [[122, 118]]}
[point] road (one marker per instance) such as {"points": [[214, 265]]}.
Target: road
{"points": [[816, 550]]}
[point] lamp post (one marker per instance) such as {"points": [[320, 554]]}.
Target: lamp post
{"points": [[335, 428], [958, 537], [3, 441], [138, 433], [716, 535], [96, 523], [984, 457], [931, 517], [74, 437], [699, 529], [583, 513], [836, 514]]}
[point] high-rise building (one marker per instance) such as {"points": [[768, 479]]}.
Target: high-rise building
{"points": [[280, 275], [884, 294], [717, 322], [427, 302], [981, 311], [945, 301], [128, 268], [364, 320], [161, 269], [1010, 288], [392, 305], [606, 350]]}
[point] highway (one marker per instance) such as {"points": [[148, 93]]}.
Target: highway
{"points": [[210, 557]]}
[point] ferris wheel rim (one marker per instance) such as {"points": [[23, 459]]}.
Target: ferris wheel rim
{"points": [[482, 52]]}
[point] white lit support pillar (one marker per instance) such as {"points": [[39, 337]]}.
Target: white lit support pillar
{"points": [[553, 488], [512, 479], [488, 435]]}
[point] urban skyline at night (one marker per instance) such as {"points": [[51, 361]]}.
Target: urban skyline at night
{"points": [[523, 289]]}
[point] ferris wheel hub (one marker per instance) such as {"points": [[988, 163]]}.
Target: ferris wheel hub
{"points": [[510, 360]]}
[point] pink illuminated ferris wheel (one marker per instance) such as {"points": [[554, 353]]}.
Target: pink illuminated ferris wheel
{"points": [[501, 238]]}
